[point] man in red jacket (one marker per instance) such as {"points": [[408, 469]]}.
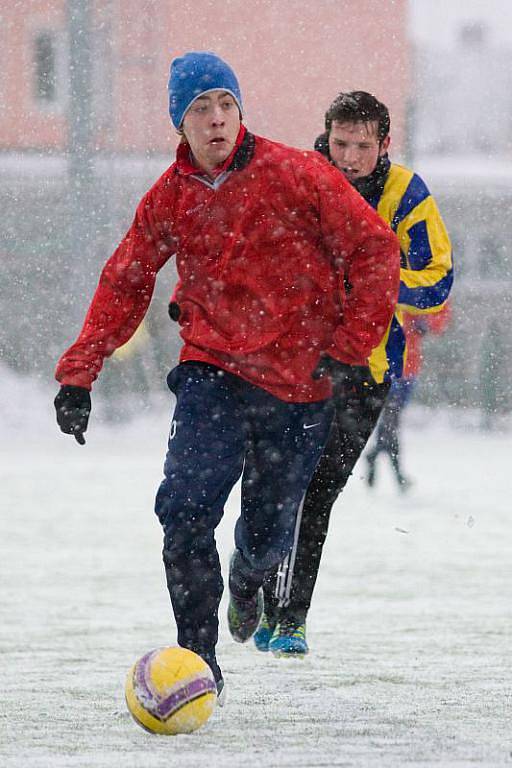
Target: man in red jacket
{"points": [[287, 278]]}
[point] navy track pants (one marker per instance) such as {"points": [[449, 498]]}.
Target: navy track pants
{"points": [[224, 427]]}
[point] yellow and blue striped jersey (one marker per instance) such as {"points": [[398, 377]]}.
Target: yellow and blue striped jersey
{"points": [[426, 273]]}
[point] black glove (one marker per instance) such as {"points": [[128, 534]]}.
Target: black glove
{"points": [[346, 379], [174, 311], [73, 406]]}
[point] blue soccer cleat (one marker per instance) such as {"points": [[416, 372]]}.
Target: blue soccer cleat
{"points": [[263, 634], [289, 639]]}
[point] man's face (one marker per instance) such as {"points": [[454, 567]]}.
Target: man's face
{"points": [[355, 148], [211, 127]]}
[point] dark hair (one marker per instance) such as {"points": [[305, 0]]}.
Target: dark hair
{"points": [[358, 107]]}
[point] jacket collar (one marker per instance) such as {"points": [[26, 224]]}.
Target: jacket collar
{"points": [[371, 187], [239, 157]]}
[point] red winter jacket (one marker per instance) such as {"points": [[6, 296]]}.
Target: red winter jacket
{"points": [[279, 260]]}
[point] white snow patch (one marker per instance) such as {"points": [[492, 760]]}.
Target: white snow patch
{"points": [[410, 632]]}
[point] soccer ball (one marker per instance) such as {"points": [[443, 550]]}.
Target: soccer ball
{"points": [[171, 690]]}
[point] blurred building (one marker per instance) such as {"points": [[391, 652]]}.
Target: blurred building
{"points": [[84, 129], [464, 102], [463, 148], [291, 58]]}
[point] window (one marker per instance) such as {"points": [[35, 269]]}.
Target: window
{"points": [[45, 68]]}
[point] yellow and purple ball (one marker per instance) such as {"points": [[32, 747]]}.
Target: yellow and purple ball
{"points": [[170, 691]]}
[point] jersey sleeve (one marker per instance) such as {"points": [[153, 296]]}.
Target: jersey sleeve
{"points": [[426, 274]]}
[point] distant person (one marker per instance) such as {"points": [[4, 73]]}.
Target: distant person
{"points": [[264, 238], [356, 142], [492, 375], [387, 435]]}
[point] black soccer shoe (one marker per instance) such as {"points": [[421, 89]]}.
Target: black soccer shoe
{"points": [[221, 692], [244, 615], [217, 674]]}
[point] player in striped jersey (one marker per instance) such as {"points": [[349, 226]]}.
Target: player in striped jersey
{"points": [[356, 141]]}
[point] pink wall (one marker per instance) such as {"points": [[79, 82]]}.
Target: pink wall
{"points": [[22, 123], [291, 57]]}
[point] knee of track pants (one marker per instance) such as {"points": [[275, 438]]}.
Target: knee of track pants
{"points": [[266, 559], [186, 522]]}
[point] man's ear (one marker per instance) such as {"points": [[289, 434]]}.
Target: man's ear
{"points": [[384, 145]]}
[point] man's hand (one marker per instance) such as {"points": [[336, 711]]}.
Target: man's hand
{"points": [[346, 379], [73, 406]]}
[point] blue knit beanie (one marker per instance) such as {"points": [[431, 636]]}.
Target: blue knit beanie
{"points": [[196, 73]]}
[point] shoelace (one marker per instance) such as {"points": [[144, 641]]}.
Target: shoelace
{"points": [[293, 630], [242, 608]]}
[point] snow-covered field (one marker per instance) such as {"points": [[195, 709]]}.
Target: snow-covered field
{"points": [[410, 632]]}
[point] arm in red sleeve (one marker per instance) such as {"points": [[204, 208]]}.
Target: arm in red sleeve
{"points": [[121, 299], [368, 256]]}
